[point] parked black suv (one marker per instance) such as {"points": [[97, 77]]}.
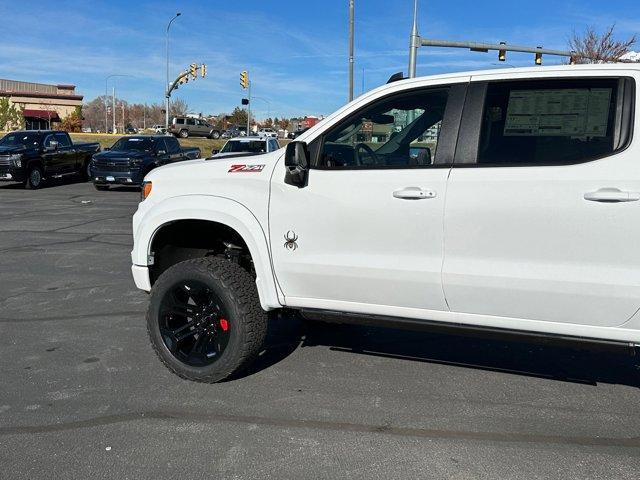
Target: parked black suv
{"points": [[131, 158], [33, 156]]}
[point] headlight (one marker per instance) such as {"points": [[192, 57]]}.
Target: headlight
{"points": [[16, 159], [145, 191]]}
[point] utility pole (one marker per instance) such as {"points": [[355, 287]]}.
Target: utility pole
{"points": [[249, 108], [113, 109], [123, 117], [414, 42], [167, 92], [351, 31]]}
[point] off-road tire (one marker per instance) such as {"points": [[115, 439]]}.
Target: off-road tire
{"points": [[34, 179], [236, 289], [184, 133], [214, 135]]}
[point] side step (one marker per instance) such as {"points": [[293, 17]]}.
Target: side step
{"points": [[331, 316]]}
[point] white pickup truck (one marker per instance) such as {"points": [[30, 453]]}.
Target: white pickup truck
{"points": [[501, 201]]}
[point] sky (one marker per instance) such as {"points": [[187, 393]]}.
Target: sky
{"points": [[296, 52]]}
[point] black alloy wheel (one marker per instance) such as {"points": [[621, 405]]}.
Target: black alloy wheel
{"points": [[192, 323], [204, 319], [35, 179]]}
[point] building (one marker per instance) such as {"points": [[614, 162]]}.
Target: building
{"points": [[42, 104]]}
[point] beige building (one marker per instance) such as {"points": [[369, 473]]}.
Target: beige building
{"points": [[42, 104]]}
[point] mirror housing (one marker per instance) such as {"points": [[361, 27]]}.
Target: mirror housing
{"points": [[53, 146], [215, 151], [296, 162]]}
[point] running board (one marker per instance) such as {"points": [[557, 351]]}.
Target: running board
{"points": [[331, 316]]}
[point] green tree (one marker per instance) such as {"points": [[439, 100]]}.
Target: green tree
{"points": [[238, 117], [10, 115]]}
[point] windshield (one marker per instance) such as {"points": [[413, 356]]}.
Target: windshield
{"points": [[134, 143], [252, 146], [20, 139]]}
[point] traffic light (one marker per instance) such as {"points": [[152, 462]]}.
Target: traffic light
{"points": [[502, 54], [244, 79], [203, 70], [193, 70], [245, 101]]}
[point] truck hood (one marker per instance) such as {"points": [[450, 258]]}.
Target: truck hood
{"points": [[237, 178], [121, 155], [8, 150]]}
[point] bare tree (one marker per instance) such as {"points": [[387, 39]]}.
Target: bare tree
{"points": [[593, 47], [178, 108]]}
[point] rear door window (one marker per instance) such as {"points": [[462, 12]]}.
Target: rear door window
{"points": [[551, 122], [62, 139], [191, 121], [172, 145]]}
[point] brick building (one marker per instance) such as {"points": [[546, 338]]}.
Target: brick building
{"points": [[42, 104]]}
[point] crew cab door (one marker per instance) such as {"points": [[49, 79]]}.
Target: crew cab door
{"points": [[57, 157], [365, 233], [543, 206], [174, 151]]}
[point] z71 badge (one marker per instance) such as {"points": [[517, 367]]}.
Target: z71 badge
{"points": [[245, 168]]}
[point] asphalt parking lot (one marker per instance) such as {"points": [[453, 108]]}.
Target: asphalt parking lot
{"points": [[83, 395]]}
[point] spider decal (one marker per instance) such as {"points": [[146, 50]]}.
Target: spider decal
{"points": [[290, 240]]}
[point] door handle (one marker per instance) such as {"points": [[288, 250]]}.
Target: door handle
{"points": [[612, 195], [414, 193]]}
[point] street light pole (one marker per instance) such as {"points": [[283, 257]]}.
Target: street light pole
{"points": [[351, 29], [414, 42], [113, 109], [166, 86], [106, 95]]}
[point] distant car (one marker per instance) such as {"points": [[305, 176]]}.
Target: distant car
{"points": [[131, 158], [267, 132], [130, 131], [159, 129], [246, 146], [293, 135], [184, 127], [234, 131]]}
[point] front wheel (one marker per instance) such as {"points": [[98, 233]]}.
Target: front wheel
{"points": [[184, 133], [204, 319], [214, 135], [35, 178]]}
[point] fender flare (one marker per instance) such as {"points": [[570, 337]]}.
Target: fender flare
{"points": [[215, 209]]}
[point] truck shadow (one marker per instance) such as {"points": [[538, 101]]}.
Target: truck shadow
{"points": [[577, 363]]}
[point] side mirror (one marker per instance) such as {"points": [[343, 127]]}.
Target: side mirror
{"points": [[296, 161], [215, 151], [53, 146]]}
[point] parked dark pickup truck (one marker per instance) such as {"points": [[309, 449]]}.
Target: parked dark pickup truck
{"points": [[33, 156], [131, 158]]}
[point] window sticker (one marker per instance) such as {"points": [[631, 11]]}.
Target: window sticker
{"points": [[575, 112]]}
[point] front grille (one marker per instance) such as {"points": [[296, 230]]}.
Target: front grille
{"points": [[107, 166], [5, 161]]}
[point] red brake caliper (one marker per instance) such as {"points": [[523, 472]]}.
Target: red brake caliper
{"points": [[224, 324]]}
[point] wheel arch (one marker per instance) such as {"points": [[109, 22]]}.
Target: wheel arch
{"points": [[211, 210]]}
